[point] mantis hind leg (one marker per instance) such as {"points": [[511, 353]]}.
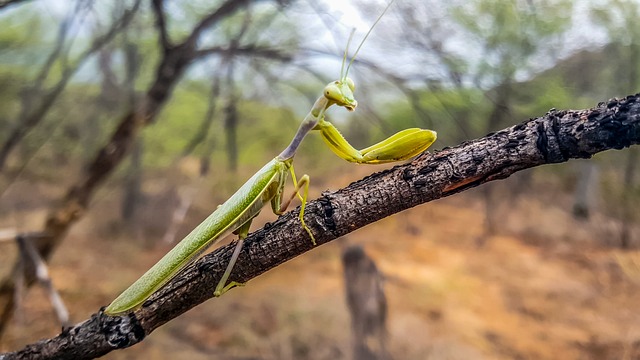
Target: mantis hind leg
{"points": [[221, 288]]}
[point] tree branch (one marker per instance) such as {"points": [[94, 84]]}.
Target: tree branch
{"points": [[554, 138], [161, 23], [227, 8], [6, 3], [247, 50]]}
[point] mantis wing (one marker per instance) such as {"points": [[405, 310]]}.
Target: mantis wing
{"points": [[243, 206]]}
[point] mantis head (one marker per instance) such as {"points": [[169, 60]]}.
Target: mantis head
{"points": [[340, 92]]}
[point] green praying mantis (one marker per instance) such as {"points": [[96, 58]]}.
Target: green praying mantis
{"points": [[267, 185]]}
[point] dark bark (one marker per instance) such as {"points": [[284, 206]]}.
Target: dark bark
{"points": [[554, 138], [7, 3]]}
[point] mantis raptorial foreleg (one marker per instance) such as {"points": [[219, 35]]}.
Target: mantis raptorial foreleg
{"points": [[401, 146]]}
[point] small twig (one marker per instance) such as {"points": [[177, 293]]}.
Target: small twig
{"points": [[28, 251], [5, 3]]}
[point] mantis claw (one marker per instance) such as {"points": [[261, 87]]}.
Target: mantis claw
{"points": [[298, 184], [229, 286]]}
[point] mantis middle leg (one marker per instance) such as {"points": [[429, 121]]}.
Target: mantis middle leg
{"points": [[279, 208]]}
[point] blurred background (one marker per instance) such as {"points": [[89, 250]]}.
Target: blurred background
{"points": [[543, 265]]}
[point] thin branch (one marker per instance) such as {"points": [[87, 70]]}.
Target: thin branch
{"points": [[6, 3], [248, 50], [554, 138], [28, 251], [61, 39], [201, 134], [203, 130], [229, 7], [161, 23]]}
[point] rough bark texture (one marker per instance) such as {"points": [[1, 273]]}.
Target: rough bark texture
{"points": [[556, 137]]}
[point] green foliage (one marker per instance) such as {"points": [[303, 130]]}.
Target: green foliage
{"points": [[620, 20], [509, 33], [23, 38], [457, 113], [260, 129]]}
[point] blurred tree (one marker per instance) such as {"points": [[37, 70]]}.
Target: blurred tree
{"points": [[39, 96], [132, 193], [512, 36], [620, 19]]}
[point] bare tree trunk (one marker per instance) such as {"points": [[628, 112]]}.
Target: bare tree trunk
{"points": [[586, 190], [500, 112], [231, 132], [205, 126], [628, 202], [133, 184], [367, 305], [231, 121], [132, 193]]}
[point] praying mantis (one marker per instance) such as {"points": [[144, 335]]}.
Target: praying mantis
{"points": [[267, 186]]}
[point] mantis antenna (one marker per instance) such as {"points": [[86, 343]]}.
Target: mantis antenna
{"points": [[362, 42], [346, 52]]}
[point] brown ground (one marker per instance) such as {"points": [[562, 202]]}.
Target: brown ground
{"points": [[546, 287]]}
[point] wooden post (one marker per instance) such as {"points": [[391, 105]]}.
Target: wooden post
{"points": [[367, 305]]}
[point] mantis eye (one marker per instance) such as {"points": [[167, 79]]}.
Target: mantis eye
{"points": [[351, 84], [332, 92]]}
